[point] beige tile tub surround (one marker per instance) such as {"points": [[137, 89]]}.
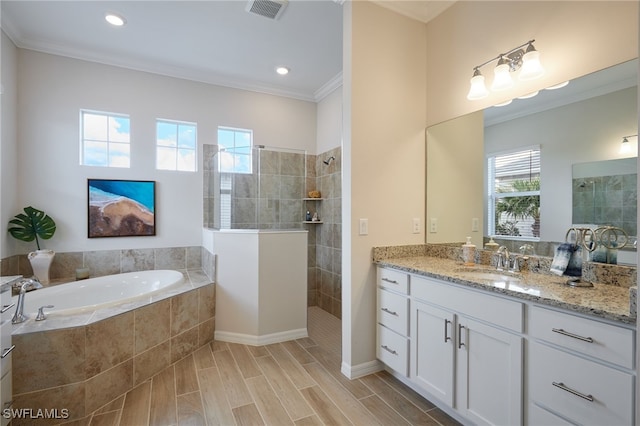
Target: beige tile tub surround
{"points": [[109, 262], [84, 367]]}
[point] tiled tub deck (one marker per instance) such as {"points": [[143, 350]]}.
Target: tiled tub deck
{"points": [[82, 362]]}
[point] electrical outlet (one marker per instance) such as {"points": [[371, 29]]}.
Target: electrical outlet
{"points": [[416, 225], [433, 225], [475, 224], [364, 226]]}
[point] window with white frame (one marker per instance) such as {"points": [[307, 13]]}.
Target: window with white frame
{"points": [[176, 145], [105, 139], [514, 194], [235, 150]]}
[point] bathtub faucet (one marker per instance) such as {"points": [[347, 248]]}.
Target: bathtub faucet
{"points": [[26, 284]]}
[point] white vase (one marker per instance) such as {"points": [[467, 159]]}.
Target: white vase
{"points": [[40, 263]]}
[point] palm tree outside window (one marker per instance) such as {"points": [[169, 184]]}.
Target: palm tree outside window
{"points": [[514, 194]]}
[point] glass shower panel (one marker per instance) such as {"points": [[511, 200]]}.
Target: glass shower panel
{"points": [[267, 195]]}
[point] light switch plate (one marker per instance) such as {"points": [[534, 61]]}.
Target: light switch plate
{"points": [[364, 226]]}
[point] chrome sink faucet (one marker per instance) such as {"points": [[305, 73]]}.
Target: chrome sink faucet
{"points": [[26, 284], [502, 261]]}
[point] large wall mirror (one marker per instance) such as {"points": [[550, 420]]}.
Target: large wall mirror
{"points": [[585, 179]]}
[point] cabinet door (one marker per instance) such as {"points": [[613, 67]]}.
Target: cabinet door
{"points": [[489, 379], [433, 349]]}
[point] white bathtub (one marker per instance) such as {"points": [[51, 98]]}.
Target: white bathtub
{"points": [[100, 292]]}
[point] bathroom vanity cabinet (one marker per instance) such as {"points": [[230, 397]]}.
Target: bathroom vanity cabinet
{"points": [[579, 369], [6, 346], [493, 359]]}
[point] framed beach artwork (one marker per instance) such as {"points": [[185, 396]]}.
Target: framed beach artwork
{"points": [[121, 208]]}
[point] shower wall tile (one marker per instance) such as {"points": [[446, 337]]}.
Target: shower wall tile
{"points": [[245, 186], [269, 162], [292, 164]]}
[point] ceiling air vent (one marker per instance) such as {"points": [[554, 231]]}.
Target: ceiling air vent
{"points": [[271, 9]]}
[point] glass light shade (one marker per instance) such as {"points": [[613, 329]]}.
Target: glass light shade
{"points": [[531, 67], [501, 78], [478, 90], [625, 146]]}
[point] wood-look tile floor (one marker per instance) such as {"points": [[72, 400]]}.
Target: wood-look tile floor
{"points": [[290, 383]]}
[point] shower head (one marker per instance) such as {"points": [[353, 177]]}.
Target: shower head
{"points": [[329, 160], [584, 183]]}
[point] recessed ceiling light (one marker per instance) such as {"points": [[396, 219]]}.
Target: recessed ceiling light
{"points": [[282, 70], [114, 19]]}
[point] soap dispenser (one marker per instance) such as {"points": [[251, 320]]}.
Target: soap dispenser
{"points": [[468, 253], [491, 245]]}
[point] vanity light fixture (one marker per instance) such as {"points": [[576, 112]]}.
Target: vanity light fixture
{"points": [[625, 145], [115, 19], [526, 60]]}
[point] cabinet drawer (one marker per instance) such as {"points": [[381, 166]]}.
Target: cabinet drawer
{"points": [[580, 390], [6, 396], [393, 350], [5, 347], [393, 311], [6, 308], [538, 416], [394, 280], [493, 309], [604, 341]]}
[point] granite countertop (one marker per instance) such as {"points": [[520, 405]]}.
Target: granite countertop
{"points": [[601, 300]]}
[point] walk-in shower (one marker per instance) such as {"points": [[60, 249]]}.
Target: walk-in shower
{"points": [[257, 188]]}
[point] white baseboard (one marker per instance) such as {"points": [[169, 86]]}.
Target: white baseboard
{"points": [[267, 339], [361, 370]]}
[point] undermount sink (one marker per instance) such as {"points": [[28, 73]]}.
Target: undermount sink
{"points": [[488, 274]]}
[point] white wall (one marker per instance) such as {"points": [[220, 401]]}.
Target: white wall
{"points": [[602, 123], [574, 38], [53, 89], [383, 158], [330, 121], [8, 147]]}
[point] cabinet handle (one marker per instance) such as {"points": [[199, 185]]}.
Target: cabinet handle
{"points": [[5, 308], [389, 312], [575, 336], [572, 391], [446, 331], [388, 280], [386, 348], [460, 342], [7, 351]]}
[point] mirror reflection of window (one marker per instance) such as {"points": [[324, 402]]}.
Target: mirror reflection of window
{"points": [[514, 194]]}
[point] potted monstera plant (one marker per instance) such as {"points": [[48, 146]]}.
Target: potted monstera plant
{"points": [[28, 226]]}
